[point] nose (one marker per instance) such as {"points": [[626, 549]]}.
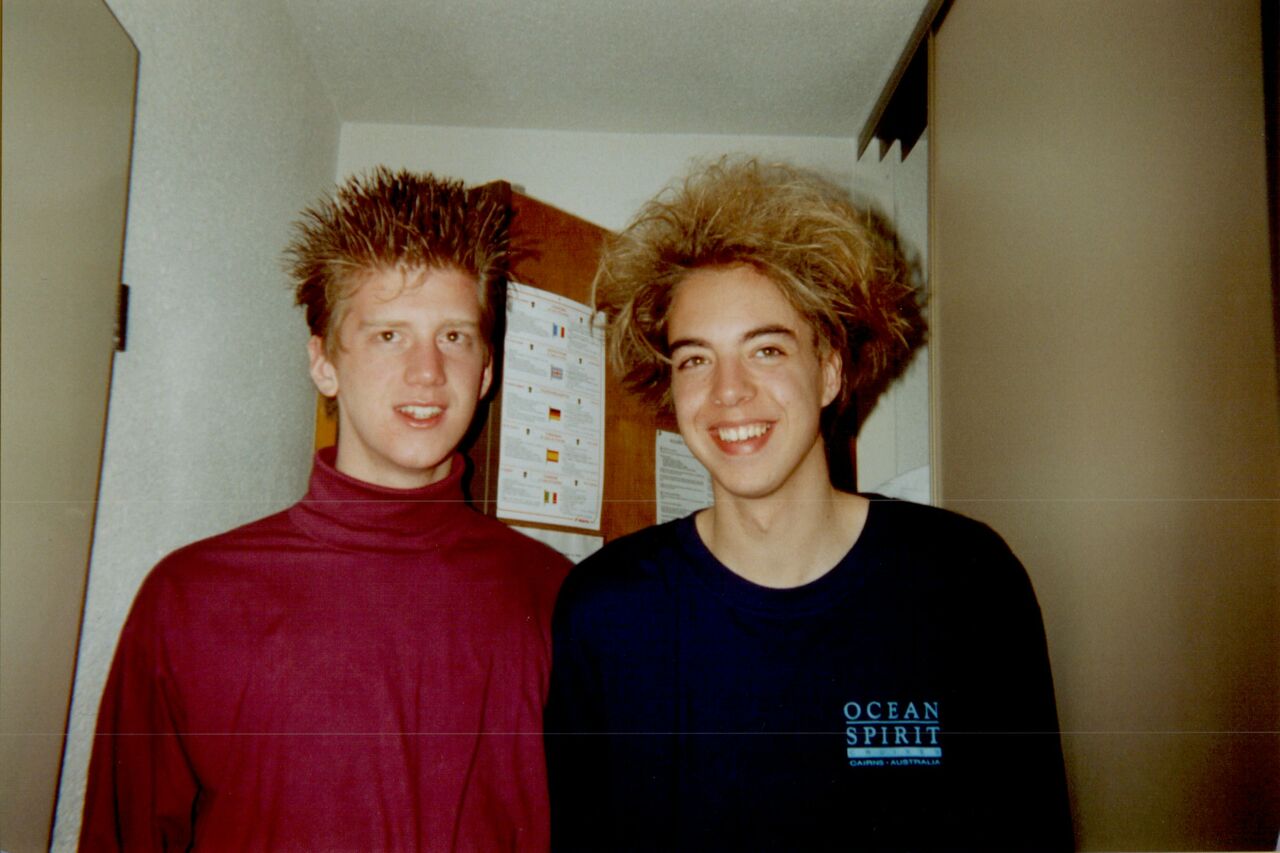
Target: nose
{"points": [[731, 383], [424, 364]]}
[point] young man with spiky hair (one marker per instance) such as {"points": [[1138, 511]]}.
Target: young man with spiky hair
{"points": [[794, 667], [365, 670]]}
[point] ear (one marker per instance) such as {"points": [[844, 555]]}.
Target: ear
{"points": [[832, 376], [486, 378], [323, 373]]}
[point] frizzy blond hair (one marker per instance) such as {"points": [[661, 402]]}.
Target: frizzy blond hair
{"points": [[839, 265], [386, 220]]}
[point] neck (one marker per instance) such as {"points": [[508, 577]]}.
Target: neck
{"points": [[788, 538], [349, 513]]}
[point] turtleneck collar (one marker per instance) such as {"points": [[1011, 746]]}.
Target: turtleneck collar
{"points": [[351, 514]]}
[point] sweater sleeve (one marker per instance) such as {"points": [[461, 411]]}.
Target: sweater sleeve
{"points": [[1020, 732], [141, 791]]}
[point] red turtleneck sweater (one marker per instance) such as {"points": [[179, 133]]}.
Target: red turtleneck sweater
{"points": [[363, 671]]}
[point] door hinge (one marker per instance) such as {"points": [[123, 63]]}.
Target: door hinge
{"points": [[122, 317]]}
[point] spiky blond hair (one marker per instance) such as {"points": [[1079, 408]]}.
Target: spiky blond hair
{"points": [[386, 220], [839, 265]]}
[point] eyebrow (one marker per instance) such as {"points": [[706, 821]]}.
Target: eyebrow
{"points": [[758, 332], [375, 322]]}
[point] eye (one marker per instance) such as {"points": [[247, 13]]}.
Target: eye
{"points": [[769, 351], [388, 336], [453, 336], [690, 361]]}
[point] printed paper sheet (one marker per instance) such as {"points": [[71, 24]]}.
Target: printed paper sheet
{"points": [[576, 546], [551, 452], [681, 483]]}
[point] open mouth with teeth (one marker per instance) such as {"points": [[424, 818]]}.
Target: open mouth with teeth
{"points": [[746, 432], [420, 413]]}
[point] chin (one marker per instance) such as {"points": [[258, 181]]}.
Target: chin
{"points": [[422, 461], [747, 488]]}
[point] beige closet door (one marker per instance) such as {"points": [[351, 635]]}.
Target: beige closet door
{"points": [[69, 74], [1105, 387]]}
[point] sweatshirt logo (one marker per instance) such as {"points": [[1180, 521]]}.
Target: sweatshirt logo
{"points": [[881, 733]]}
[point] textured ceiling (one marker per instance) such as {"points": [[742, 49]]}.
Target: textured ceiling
{"points": [[775, 67]]}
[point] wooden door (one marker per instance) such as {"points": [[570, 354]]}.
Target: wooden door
{"points": [[69, 72]]}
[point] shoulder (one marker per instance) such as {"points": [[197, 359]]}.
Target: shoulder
{"points": [[483, 548], [961, 572], [919, 526], [176, 585], [619, 577], [637, 558], [509, 545], [952, 547], [200, 559]]}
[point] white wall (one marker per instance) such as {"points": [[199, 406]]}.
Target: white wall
{"points": [[210, 421], [893, 443], [605, 177], [601, 177]]}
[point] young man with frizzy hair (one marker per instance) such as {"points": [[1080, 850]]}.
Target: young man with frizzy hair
{"points": [[794, 667], [365, 670]]}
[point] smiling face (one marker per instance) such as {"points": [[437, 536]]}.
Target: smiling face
{"points": [[410, 366], [749, 384]]}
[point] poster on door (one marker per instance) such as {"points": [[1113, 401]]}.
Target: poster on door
{"points": [[551, 446], [681, 484]]}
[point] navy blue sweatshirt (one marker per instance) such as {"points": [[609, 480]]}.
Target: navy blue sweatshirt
{"points": [[901, 701]]}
